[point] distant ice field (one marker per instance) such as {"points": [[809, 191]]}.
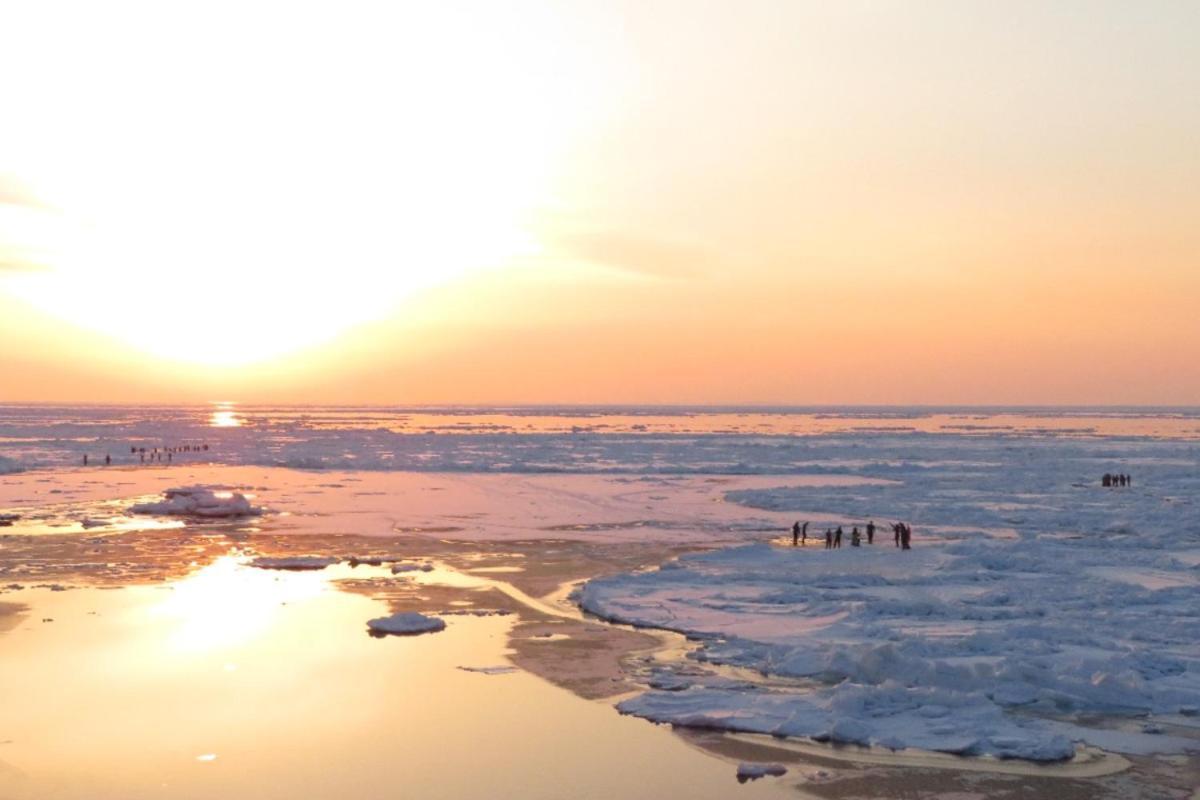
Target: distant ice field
{"points": [[578, 439]]}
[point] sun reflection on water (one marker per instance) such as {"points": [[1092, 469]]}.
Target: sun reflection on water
{"points": [[226, 603], [223, 416]]}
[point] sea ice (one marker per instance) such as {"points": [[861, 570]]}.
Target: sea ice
{"points": [[405, 623], [411, 567], [293, 562], [748, 771], [1087, 607], [199, 501]]}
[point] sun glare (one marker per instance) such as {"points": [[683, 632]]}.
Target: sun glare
{"points": [[224, 415], [225, 604], [202, 223]]}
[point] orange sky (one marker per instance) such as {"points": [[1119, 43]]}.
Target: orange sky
{"points": [[600, 203]]}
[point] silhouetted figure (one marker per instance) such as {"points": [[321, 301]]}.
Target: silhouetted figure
{"points": [[142, 456], [896, 533], [905, 537], [855, 538], [85, 459], [1106, 480], [828, 538], [169, 457], [206, 448], [795, 533], [133, 450], [871, 532], [1129, 480], [804, 534], [837, 537], [107, 459]]}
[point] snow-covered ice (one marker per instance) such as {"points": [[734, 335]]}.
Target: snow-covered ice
{"points": [[405, 623], [199, 501], [1033, 598]]}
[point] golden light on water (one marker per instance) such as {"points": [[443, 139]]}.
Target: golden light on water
{"points": [[226, 604], [223, 416]]}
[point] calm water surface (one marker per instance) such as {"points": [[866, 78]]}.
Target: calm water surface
{"points": [[245, 683]]}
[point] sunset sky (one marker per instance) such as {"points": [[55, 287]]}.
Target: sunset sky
{"points": [[610, 202]]}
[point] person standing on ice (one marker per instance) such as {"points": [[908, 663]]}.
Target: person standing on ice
{"points": [[855, 538], [871, 532], [837, 538], [905, 537], [896, 533], [795, 533], [828, 538], [804, 533], [1106, 480]]}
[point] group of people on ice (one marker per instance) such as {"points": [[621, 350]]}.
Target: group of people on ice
{"points": [[901, 534], [1116, 480], [156, 454]]}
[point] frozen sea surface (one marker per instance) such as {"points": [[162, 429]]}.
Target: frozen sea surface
{"points": [[1034, 602], [570, 439], [1034, 598]]}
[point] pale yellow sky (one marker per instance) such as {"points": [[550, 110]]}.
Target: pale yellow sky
{"points": [[793, 202]]}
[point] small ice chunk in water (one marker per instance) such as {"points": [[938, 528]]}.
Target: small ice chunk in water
{"points": [[411, 567], [199, 501], [405, 623], [747, 771], [498, 670], [293, 562]]}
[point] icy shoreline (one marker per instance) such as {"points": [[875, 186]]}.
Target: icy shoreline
{"points": [[1033, 602]]}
